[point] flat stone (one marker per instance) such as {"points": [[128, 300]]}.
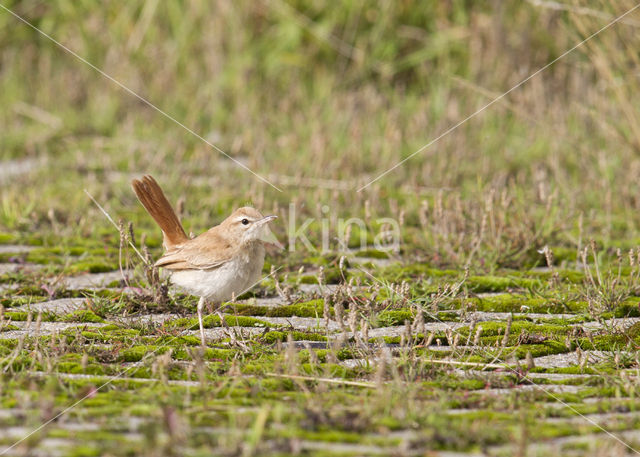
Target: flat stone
{"points": [[454, 363], [317, 288], [617, 323], [484, 316], [9, 413], [49, 447], [532, 376], [399, 330], [560, 376], [146, 318], [13, 267], [16, 432], [94, 280], [8, 268], [268, 301], [15, 249], [11, 168], [570, 359], [360, 363], [60, 306], [345, 448], [46, 328]]}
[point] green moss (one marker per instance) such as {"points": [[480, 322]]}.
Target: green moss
{"points": [[603, 342], [137, 353], [209, 354], [134, 354], [634, 331], [257, 368], [45, 255], [327, 435], [574, 277], [34, 240], [214, 321], [312, 308], [76, 368], [549, 347], [6, 238], [398, 273], [24, 316], [455, 383], [308, 279], [331, 369], [178, 341], [418, 337], [107, 334], [499, 283], [564, 254], [82, 315], [317, 261], [5, 327], [373, 254], [331, 276], [24, 362], [273, 336], [13, 302], [92, 266], [630, 308], [323, 354], [491, 328], [394, 317], [85, 450]]}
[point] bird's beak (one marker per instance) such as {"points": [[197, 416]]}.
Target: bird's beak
{"points": [[266, 220], [267, 235]]}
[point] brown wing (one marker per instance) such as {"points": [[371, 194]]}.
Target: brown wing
{"points": [[154, 201], [207, 251]]}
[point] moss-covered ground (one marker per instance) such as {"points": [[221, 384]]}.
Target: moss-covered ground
{"points": [[461, 272], [420, 358]]}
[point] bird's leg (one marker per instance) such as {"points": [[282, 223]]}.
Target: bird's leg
{"points": [[201, 303]]}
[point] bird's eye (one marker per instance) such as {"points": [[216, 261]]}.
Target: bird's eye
{"points": [[245, 221]]}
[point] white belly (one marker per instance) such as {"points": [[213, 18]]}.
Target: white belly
{"points": [[227, 281]]}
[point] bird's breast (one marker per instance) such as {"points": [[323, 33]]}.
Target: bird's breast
{"points": [[234, 277]]}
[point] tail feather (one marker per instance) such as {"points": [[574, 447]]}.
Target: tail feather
{"points": [[154, 201]]}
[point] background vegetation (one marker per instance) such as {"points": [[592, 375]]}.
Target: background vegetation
{"points": [[320, 98], [433, 347]]}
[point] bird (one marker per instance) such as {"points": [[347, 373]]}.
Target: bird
{"points": [[218, 265]]}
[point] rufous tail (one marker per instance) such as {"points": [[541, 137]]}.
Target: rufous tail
{"points": [[154, 201]]}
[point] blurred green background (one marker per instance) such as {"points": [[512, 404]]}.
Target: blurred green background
{"points": [[320, 98]]}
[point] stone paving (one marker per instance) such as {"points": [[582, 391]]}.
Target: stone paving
{"points": [[96, 280], [452, 358], [14, 249]]}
